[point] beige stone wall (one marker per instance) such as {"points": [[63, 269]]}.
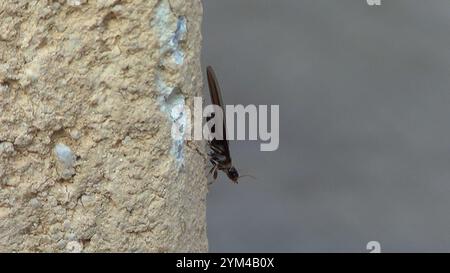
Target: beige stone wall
{"points": [[89, 91]]}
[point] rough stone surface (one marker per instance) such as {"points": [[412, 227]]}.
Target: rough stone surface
{"points": [[89, 91]]}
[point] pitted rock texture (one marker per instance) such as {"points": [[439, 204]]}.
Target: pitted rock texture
{"points": [[86, 154]]}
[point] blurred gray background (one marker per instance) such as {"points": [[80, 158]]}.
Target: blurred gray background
{"points": [[364, 95]]}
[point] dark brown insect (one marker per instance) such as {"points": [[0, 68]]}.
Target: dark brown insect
{"points": [[219, 155]]}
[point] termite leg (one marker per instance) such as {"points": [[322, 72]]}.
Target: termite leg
{"points": [[212, 169]]}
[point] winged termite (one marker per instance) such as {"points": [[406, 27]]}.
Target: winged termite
{"points": [[219, 154]]}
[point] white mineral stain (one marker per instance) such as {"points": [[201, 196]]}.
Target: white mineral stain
{"points": [[179, 36], [171, 31], [162, 87], [76, 3], [175, 108], [65, 155], [179, 120], [181, 31], [162, 22], [178, 57]]}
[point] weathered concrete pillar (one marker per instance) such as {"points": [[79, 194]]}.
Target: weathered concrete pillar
{"points": [[89, 91]]}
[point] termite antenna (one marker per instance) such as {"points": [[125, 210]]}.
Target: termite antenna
{"points": [[248, 175]]}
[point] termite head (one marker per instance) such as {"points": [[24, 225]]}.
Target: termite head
{"points": [[233, 174]]}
